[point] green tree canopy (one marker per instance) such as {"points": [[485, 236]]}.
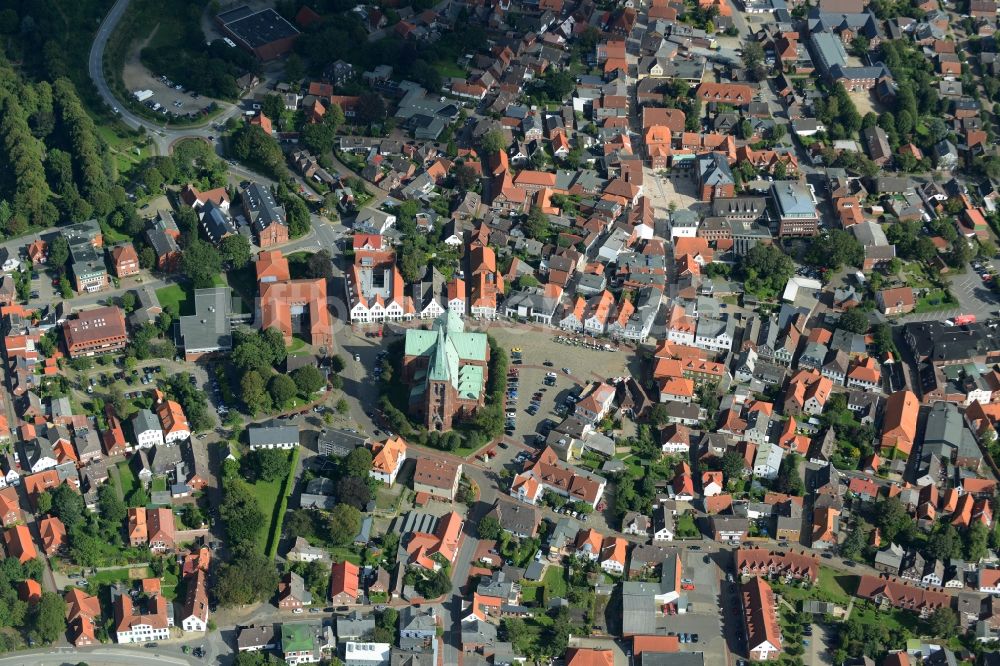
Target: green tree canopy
{"points": [[308, 379], [201, 263], [489, 528], [236, 250], [344, 523]]}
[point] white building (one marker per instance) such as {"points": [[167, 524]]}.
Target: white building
{"points": [[273, 436], [366, 654], [147, 430], [767, 460]]}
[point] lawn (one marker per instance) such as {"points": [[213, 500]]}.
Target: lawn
{"points": [[169, 584], [830, 587], [686, 526], [447, 69], [116, 575], [159, 483], [342, 553], [935, 299], [176, 296], [267, 494], [182, 297], [129, 482], [555, 582], [299, 347], [112, 236], [532, 593], [272, 499]]}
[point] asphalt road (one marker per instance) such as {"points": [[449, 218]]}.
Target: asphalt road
{"points": [[99, 657]]}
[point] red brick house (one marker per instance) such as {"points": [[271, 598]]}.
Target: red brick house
{"points": [[125, 260]]}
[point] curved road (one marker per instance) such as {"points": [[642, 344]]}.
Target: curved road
{"points": [[162, 137]]}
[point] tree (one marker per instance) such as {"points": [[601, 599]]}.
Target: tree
{"points": [[246, 579], [282, 389], [537, 224], [835, 249], [489, 528], [240, 513], [387, 618], [354, 491], [434, 584], [308, 379], [854, 545], [732, 466], [753, 60], [944, 542], [320, 265], [370, 109], [46, 621], [67, 505], [266, 465], [658, 414], [201, 263], [976, 540], [58, 252], [235, 249], [466, 177], [295, 69], [526, 281], [789, 481], [358, 463], [299, 523], [854, 320], [943, 623], [272, 106], [343, 523], [493, 141], [892, 519], [253, 393], [765, 270], [111, 508]]}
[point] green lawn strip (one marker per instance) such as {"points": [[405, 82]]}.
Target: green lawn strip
{"points": [[129, 482], [266, 493], [555, 582], [343, 553], [686, 526], [169, 585], [115, 575], [174, 295], [936, 299], [278, 512], [299, 347], [532, 593], [159, 483]]}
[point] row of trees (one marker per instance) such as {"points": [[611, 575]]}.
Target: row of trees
{"points": [[249, 576]]}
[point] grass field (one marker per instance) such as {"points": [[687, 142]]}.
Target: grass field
{"points": [[159, 483], [129, 480], [116, 575], [182, 296], [174, 295], [342, 553], [831, 586], [267, 494], [555, 582], [271, 496], [936, 299], [299, 347]]}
